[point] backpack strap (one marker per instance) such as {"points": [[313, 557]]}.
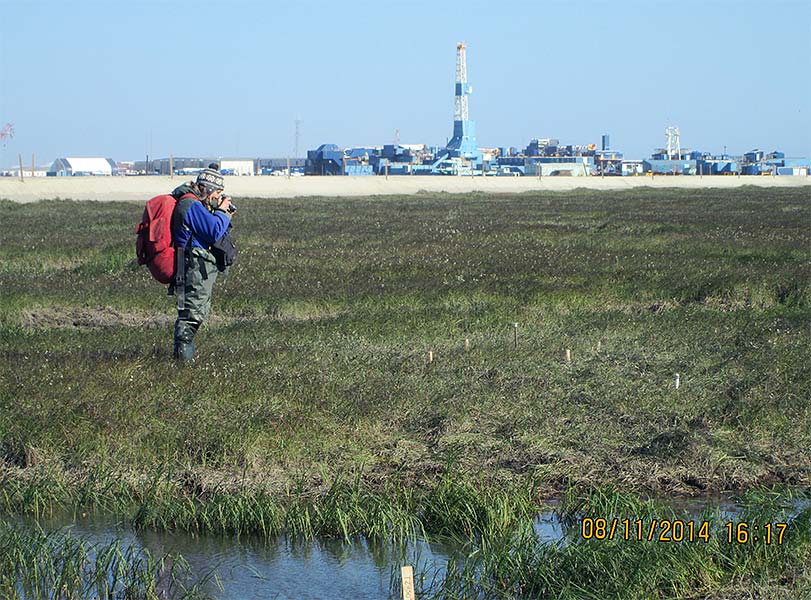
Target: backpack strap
{"points": [[181, 255], [181, 208]]}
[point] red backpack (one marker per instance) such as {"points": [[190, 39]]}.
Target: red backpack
{"points": [[153, 246]]}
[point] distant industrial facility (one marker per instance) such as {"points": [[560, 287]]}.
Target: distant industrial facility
{"points": [[543, 157], [461, 156]]}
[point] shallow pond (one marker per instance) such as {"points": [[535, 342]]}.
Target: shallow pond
{"points": [[250, 568]]}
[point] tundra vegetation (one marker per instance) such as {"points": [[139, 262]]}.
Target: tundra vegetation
{"points": [[557, 325]]}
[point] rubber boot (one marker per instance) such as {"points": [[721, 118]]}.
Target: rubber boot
{"points": [[184, 352], [184, 340]]}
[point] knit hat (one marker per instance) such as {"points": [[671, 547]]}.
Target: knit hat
{"points": [[210, 179]]}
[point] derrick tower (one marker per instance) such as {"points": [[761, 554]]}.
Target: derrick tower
{"points": [[463, 142], [673, 143]]}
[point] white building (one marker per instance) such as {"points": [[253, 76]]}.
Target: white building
{"points": [[235, 166], [632, 167], [82, 166], [15, 172]]}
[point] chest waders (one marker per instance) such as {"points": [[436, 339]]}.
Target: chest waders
{"points": [[195, 275]]}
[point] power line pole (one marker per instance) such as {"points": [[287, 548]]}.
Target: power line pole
{"points": [[298, 134]]}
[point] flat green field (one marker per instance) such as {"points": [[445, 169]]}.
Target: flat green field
{"points": [[314, 366]]}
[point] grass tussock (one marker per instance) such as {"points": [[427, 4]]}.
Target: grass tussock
{"points": [[343, 507]]}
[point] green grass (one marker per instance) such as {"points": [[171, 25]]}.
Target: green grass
{"points": [[315, 354], [311, 402], [512, 563], [37, 565]]}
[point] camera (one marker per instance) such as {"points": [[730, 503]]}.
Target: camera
{"points": [[231, 206]]}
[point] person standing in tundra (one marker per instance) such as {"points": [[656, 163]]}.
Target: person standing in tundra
{"points": [[200, 232]]}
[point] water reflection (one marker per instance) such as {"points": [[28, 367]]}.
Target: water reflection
{"points": [[250, 567], [549, 529]]}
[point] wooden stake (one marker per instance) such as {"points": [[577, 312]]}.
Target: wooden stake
{"points": [[568, 355], [430, 357], [467, 344], [407, 574], [678, 381], [515, 335]]}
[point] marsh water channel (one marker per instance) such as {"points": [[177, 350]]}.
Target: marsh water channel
{"points": [[250, 567]]}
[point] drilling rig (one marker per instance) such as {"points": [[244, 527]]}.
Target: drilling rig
{"points": [[462, 154], [673, 143]]}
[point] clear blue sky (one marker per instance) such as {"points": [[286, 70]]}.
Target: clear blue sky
{"points": [[123, 79]]}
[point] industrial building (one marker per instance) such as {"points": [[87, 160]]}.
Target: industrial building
{"points": [[757, 162], [542, 158], [327, 159], [180, 165], [25, 172], [238, 166], [67, 167], [674, 160], [280, 166]]}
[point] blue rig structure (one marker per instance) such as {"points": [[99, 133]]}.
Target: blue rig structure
{"points": [[462, 153], [461, 156], [673, 160], [542, 157]]}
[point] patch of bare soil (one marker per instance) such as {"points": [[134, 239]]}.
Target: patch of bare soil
{"points": [[60, 317]]}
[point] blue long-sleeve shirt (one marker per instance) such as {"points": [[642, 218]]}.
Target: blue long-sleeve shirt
{"points": [[203, 226]]}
